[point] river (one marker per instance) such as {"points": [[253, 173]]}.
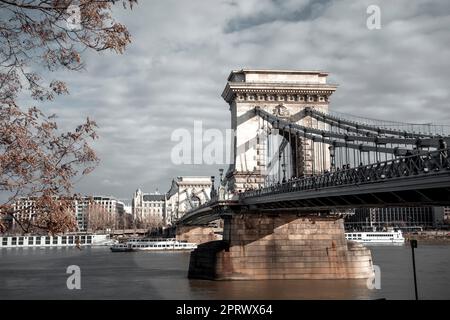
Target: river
{"points": [[40, 273]]}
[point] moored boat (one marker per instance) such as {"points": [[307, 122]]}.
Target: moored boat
{"points": [[152, 245], [67, 240], [376, 237], [121, 247]]}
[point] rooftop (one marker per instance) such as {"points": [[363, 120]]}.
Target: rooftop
{"points": [[278, 76], [277, 71]]}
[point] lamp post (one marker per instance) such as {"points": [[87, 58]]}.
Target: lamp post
{"points": [[213, 190], [332, 154], [413, 246]]}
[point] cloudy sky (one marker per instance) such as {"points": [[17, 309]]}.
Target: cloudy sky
{"points": [[182, 52]]}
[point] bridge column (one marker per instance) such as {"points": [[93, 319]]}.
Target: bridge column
{"points": [[281, 247], [284, 94], [196, 234]]}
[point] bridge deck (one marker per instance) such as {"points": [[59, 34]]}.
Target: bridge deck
{"points": [[417, 180]]}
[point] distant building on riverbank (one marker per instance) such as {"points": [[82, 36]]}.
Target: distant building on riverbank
{"points": [[90, 212], [404, 217], [447, 215], [184, 194]]}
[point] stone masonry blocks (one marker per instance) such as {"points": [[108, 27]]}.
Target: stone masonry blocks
{"points": [[281, 246]]}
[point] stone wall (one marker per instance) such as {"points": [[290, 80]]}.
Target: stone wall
{"points": [[281, 247], [196, 234]]}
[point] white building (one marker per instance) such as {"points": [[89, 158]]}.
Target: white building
{"points": [[128, 208], [80, 206], [108, 203], [446, 217], [184, 194], [148, 207]]}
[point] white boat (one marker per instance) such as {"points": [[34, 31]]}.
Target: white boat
{"points": [[152, 245], [381, 237], [68, 240]]}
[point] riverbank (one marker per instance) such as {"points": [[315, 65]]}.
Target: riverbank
{"points": [[432, 237]]}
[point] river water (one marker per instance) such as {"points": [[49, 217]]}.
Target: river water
{"points": [[40, 273]]}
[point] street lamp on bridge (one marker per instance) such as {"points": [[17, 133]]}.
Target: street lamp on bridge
{"points": [[332, 155]]}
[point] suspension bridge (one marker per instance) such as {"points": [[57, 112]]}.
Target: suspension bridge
{"points": [[297, 168]]}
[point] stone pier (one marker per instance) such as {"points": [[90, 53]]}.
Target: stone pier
{"points": [[281, 246], [196, 234]]}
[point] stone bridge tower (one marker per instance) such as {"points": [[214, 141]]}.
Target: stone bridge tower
{"points": [[285, 93], [284, 244]]}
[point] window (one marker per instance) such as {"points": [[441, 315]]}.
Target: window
{"points": [[47, 240], [64, 240], [20, 241], [38, 241], [5, 241], [13, 241], [55, 240], [70, 239]]}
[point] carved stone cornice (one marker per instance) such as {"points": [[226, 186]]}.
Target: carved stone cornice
{"points": [[286, 92]]}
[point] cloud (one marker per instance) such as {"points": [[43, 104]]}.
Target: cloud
{"points": [[182, 52], [255, 13]]}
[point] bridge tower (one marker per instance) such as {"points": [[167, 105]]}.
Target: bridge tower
{"points": [[277, 244], [284, 93]]}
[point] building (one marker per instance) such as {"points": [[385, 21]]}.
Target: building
{"points": [[125, 215], [108, 206], [446, 214], [128, 208], [25, 211], [404, 217], [184, 194], [149, 209]]}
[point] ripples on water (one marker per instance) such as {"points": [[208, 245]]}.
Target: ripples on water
{"points": [[35, 273]]}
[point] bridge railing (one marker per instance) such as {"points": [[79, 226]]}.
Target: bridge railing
{"points": [[391, 169]]}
